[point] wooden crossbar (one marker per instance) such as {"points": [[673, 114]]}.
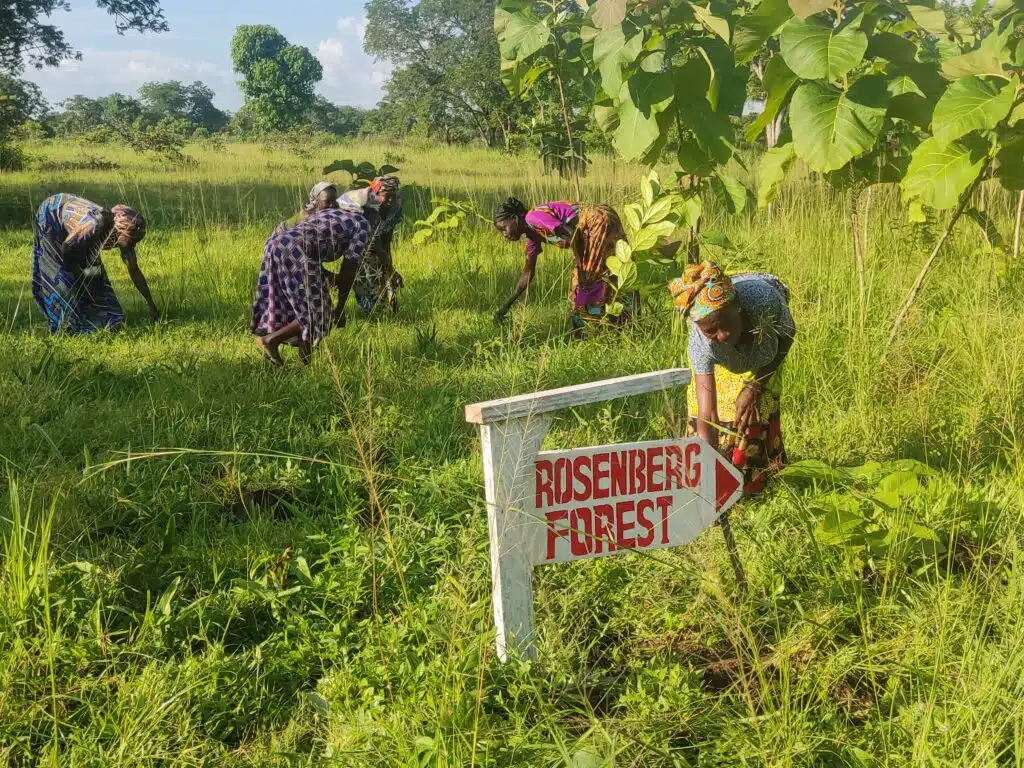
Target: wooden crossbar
{"points": [[536, 403]]}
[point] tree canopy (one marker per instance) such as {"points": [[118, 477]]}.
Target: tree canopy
{"points": [[446, 61], [278, 78], [24, 37], [192, 103], [19, 101]]}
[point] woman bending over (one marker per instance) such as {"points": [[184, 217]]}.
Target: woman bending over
{"points": [[741, 331], [589, 231], [69, 282]]}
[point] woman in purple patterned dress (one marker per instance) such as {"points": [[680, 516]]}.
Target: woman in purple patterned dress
{"points": [[293, 298]]}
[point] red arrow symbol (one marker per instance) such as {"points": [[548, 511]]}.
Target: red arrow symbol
{"points": [[726, 482]]}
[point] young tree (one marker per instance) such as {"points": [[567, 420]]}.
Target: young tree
{"points": [[24, 37], [278, 78]]}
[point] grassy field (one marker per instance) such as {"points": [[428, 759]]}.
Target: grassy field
{"points": [[148, 618]]}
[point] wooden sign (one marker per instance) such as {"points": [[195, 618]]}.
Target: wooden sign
{"points": [[556, 506], [620, 498]]}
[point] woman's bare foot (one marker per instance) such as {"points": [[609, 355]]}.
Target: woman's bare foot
{"points": [[270, 352]]}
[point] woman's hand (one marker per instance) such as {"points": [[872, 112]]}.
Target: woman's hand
{"points": [[746, 408]]}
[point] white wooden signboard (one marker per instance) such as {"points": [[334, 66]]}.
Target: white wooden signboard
{"points": [[556, 506]]}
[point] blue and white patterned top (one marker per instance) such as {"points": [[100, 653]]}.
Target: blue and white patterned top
{"points": [[765, 301]]}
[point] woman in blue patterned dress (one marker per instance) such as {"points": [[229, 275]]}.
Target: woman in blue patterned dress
{"points": [[293, 299], [69, 282]]}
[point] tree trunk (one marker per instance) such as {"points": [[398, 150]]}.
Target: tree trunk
{"points": [[1016, 229], [568, 133], [772, 131], [919, 282], [693, 251]]}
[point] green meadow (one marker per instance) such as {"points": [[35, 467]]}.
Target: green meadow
{"points": [[210, 562]]}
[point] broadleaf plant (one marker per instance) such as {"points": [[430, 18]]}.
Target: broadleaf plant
{"points": [[892, 92]]}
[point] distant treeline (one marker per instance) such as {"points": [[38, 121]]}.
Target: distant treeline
{"points": [[184, 110]]}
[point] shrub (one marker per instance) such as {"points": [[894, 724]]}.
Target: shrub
{"points": [[12, 158]]}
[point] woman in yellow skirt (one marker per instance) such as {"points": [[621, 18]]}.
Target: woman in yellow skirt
{"points": [[741, 331]]}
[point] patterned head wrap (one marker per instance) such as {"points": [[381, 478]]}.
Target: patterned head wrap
{"points": [[129, 224], [386, 184], [512, 208], [320, 191], [703, 289]]}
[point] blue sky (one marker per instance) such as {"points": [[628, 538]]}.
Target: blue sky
{"points": [[198, 48]]}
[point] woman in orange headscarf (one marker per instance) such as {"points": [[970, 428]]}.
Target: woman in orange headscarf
{"points": [[378, 282], [741, 331], [69, 282]]}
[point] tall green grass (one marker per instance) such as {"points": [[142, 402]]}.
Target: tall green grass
{"points": [[154, 612]]}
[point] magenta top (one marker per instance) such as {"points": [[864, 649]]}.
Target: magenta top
{"points": [[553, 223]]}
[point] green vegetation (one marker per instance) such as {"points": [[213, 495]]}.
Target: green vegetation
{"points": [[209, 562]]}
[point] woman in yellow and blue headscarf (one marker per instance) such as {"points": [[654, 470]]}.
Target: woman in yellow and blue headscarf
{"points": [[741, 331]]}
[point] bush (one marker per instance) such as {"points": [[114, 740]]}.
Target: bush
{"points": [[12, 158], [165, 138], [30, 130]]}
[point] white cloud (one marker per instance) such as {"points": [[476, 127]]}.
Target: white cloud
{"points": [[350, 75], [102, 72]]}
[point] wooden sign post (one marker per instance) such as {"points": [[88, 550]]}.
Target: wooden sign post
{"points": [[557, 506]]}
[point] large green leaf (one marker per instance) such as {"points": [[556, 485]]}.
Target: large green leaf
{"points": [[930, 18], [817, 52], [636, 132], [1016, 116], [939, 173], [831, 127], [909, 101], [805, 8], [711, 129], [612, 50], [971, 104], [730, 192], [727, 92], [609, 13], [523, 34], [651, 92], [606, 115], [694, 159], [886, 164], [988, 59], [892, 47], [607, 45], [778, 82], [754, 29], [711, 22], [641, 101], [520, 77], [1010, 165], [775, 163]]}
